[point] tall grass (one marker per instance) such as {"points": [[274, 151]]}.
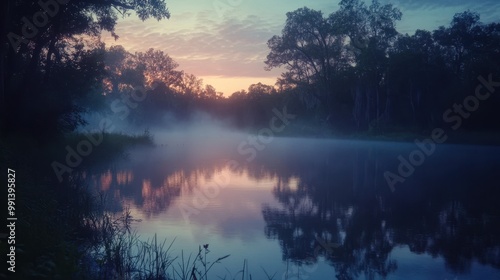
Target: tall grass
{"points": [[115, 251]]}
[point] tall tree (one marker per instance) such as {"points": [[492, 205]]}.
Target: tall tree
{"points": [[459, 41], [470, 49], [310, 49], [123, 70], [371, 31], [159, 66], [42, 35]]}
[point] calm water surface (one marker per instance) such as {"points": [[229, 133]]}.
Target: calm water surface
{"points": [[316, 209]]}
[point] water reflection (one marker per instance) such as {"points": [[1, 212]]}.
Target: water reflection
{"points": [[439, 211], [330, 192]]}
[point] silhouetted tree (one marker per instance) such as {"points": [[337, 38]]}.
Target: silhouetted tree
{"points": [[159, 66], [36, 53], [310, 48]]}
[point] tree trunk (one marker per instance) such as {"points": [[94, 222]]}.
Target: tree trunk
{"points": [[388, 106], [359, 106], [412, 103]]}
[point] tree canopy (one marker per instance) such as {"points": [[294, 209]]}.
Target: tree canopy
{"points": [[349, 70], [50, 44], [367, 76]]}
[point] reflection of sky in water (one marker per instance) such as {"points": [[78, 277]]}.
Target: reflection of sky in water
{"points": [[231, 221], [298, 189]]}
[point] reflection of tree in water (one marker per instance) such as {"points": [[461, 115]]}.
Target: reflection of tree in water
{"points": [[317, 208], [151, 188], [442, 213], [335, 195]]}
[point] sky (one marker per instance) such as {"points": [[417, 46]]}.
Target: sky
{"points": [[224, 42]]}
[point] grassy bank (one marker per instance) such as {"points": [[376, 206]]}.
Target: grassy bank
{"points": [[452, 137], [392, 134], [107, 146]]}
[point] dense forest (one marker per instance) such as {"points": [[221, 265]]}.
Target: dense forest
{"points": [[350, 71]]}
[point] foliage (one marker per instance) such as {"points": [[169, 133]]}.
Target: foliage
{"points": [[361, 70], [47, 77]]}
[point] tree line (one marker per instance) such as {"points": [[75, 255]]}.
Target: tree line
{"points": [[348, 71], [366, 75]]}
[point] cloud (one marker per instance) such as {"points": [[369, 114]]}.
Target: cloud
{"points": [[234, 44], [229, 48], [428, 4], [430, 14]]}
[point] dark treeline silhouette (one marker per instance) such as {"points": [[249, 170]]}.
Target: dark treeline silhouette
{"points": [[174, 93], [367, 75], [53, 61], [349, 71]]}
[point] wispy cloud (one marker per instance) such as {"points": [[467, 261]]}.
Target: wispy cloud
{"points": [[233, 44], [232, 47], [430, 14]]}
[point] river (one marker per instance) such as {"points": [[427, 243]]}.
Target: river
{"points": [[301, 208]]}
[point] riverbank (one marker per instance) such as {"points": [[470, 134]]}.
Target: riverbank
{"points": [[50, 226], [464, 137]]}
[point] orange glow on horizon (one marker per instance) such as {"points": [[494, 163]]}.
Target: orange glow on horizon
{"points": [[228, 85]]}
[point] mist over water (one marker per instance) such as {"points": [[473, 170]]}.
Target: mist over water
{"points": [[196, 186], [108, 144]]}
